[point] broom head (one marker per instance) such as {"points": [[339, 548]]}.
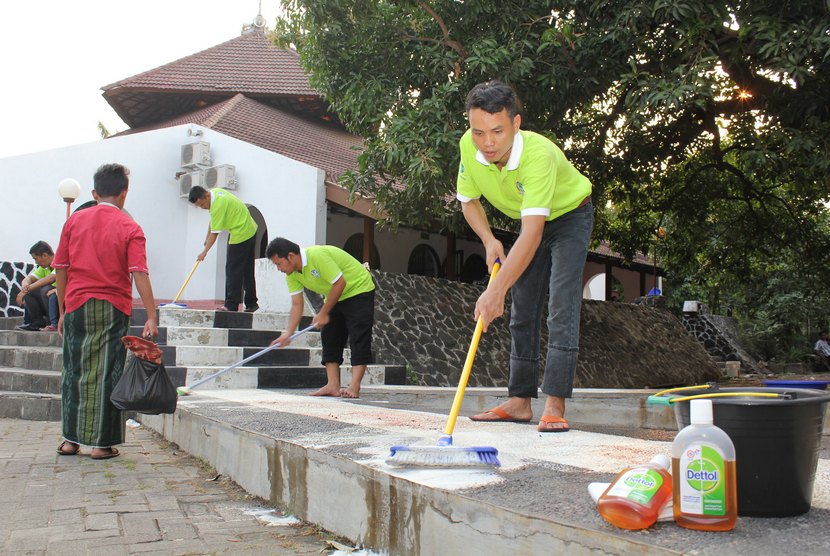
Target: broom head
{"points": [[443, 456]]}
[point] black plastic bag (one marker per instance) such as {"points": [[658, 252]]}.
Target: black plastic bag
{"points": [[144, 387]]}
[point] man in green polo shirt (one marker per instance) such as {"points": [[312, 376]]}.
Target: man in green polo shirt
{"points": [[348, 311], [227, 213], [527, 177], [37, 292]]}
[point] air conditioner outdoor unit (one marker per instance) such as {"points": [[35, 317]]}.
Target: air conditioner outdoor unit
{"points": [[195, 155], [223, 176], [191, 179]]}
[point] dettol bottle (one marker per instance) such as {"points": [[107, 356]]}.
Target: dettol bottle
{"points": [[634, 499], [703, 468]]}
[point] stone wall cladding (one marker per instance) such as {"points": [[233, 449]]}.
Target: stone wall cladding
{"points": [[11, 276], [718, 336], [427, 324]]}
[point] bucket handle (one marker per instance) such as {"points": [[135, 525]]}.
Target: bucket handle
{"points": [[671, 400]]}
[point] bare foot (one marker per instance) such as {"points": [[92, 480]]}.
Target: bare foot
{"points": [[349, 393], [327, 391]]}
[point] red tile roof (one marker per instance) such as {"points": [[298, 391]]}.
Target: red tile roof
{"points": [[250, 64], [322, 145]]}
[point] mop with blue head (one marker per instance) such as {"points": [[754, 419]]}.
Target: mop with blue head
{"points": [[444, 454]]}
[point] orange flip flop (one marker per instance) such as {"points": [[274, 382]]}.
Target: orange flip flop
{"points": [[501, 417], [546, 420]]}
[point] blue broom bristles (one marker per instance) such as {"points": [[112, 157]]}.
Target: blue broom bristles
{"points": [[443, 456]]}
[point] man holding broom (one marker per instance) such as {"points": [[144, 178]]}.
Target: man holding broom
{"points": [[348, 312], [229, 213], [527, 177]]}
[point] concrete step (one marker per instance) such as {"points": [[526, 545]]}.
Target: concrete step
{"points": [[30, 407], [318, 456], [33, 381], [294, 376], [219, 319], [26, 338], [239, 337], [40, 358]]}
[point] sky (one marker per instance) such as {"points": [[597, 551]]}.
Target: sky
{"points": [[56, 56]]}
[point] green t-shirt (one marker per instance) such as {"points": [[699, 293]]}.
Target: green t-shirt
{"points": [[537, 179], [229, 213], [40, 272], [322, 266]]}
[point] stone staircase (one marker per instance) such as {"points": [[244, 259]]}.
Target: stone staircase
{"points": [[195, 344]]}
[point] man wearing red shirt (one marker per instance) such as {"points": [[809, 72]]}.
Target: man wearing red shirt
{"points": [[101, 248]]}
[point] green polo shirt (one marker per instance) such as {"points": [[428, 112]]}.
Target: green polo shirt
{"points": [[323, 265], [40, 272], [537, 179], [229, 213]]}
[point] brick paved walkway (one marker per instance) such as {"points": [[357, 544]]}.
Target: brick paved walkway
{"points": [[150, 500]]}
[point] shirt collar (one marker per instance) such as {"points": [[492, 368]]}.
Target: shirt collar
{"points": [[515, 153], [303, 258], [105, 204]]}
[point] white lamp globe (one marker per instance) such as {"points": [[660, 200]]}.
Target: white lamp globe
{"points": [[69, 189]]}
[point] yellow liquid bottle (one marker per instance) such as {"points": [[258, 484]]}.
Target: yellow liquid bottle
{"points": [[704, 489], [636, 496]]}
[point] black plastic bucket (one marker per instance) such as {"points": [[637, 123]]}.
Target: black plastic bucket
{"points": [[777, 443]]}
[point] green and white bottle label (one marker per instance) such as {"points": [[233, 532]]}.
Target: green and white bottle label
{"points": [[702, 488], [638, 484]]}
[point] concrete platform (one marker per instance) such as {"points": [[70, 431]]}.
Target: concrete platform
{"points": [[324, 460]]}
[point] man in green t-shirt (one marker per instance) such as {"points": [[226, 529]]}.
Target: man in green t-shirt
{"points": [[227, 213], [348, 311], [37, 292], [527, 177]]}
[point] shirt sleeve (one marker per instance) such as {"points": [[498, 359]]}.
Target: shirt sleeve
{"points": [[136, 250], [293, 284], [61, 258]]}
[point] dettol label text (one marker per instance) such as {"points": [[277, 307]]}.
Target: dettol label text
{"points": [[637, 484], [702, 489]]}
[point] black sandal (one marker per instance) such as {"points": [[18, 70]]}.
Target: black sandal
{"points": [[73, 452]]}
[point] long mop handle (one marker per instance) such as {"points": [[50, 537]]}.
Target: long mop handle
{"points": [[186, 281], [247, 359], [468, 366]]}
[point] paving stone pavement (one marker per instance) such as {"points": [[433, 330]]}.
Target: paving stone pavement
{"points": [[152, 499]]}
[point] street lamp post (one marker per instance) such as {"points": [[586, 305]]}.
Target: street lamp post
{"points": [[69, 189]]}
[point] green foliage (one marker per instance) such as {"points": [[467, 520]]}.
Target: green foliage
{"points": [[708, 117]]}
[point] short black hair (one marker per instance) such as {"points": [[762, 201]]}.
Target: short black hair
{"points": [[111, 179], [281, 247], [196, 193], [493, 97], [41, 248]]}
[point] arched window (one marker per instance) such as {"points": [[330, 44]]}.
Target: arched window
{"points": [[474, 269], [354, 247], [424, 261], [261, 232]]}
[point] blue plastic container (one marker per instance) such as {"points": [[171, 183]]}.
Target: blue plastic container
{"points": [[815, 384]]}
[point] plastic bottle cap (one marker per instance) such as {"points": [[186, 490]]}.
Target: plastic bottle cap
{"points": [[701, 412], [662, 461]]}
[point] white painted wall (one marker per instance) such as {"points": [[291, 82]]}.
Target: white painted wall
{"points": [[289, 194]]}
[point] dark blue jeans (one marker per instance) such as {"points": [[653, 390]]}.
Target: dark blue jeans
{"points": [[556, 270]]}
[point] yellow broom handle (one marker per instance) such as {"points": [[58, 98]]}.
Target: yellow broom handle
{"points": [[186, 281], [468, 366]]}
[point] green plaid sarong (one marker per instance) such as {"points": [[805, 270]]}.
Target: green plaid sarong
{"points": [[93, 360]]}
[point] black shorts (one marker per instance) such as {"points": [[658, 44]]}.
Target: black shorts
{"points": [[351, 319]]}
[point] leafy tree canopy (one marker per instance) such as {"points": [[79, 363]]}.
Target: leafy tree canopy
{"points": [[707, 117]]}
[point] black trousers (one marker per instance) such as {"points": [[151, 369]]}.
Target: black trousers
{"points": [[36, 312], [351, 319], [239, 275]]}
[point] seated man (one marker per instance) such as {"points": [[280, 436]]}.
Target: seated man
{"points": [[37, 292], [822, 349], [347, 313]]}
